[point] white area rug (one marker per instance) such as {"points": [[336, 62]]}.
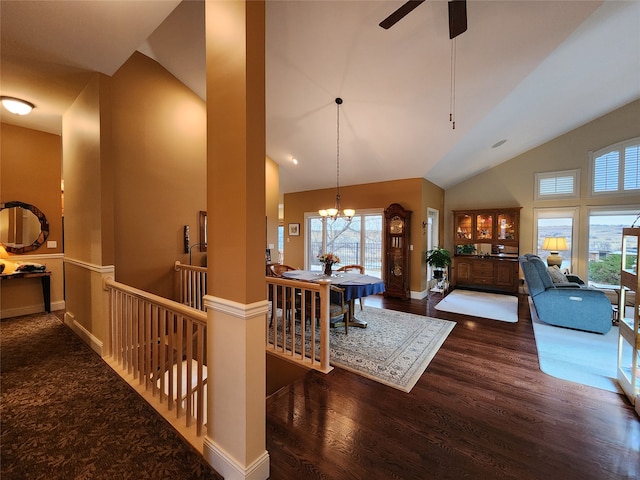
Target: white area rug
{"points": [[480, 304], [580, 357]]}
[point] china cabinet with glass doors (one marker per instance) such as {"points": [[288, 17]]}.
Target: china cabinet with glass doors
{"points": [[486, 249]]}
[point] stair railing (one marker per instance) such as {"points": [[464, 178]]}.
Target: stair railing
{"points": [[161, 344]]}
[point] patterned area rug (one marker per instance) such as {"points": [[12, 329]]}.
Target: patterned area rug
{"points": [[395, 348], [67, 415], [493, 306]]}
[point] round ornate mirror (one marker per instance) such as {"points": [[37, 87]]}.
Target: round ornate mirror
{"points": [[23, 227]]}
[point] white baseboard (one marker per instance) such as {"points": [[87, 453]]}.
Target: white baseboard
{"points": [[95, 343], [419, 295], [30, 309], [227, 466]]}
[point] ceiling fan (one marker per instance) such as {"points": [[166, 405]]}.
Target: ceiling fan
{"points": [[457, 16]]}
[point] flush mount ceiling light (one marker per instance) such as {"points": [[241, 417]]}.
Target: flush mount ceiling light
{"points": [[336, 211], [16, 105]]}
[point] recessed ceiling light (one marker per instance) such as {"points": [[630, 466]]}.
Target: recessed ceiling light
{"points": [[17, 106], [499, 144], [294, 161]]}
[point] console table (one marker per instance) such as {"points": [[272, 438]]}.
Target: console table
{"points": [[45, 277]]}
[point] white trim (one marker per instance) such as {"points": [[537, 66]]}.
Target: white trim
{"points": [[229, 468], [32, 258], [30, 309], [101, 269], [419, 295], [236, 309], [95, 343], [433, 238], [560, 212], [574, 173], [620, 148]]}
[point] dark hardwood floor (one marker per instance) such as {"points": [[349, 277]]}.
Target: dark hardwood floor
{"points": [[482, 410]]}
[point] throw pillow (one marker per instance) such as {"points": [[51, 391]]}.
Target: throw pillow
{"points": [[556, 275]]}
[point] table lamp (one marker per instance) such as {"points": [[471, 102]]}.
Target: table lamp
{"points": [[3, 255], [7, 266], [554, 245]]}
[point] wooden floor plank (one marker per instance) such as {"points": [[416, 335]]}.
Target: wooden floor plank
{"points": [[482, 410]]}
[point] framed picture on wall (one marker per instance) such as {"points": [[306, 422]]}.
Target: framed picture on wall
{"points": [[294, 229]]}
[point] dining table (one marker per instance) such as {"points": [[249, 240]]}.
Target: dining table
{"points": [[355, 285]]}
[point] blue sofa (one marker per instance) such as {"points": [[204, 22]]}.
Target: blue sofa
{"points": [[565, 304]]}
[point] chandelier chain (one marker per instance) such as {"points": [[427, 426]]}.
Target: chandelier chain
{"points": [[338, 148]]}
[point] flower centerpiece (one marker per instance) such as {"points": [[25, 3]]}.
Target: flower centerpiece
{"points": [[328, 259]]}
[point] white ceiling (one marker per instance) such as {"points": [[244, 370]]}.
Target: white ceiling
{"points": [[526, 71]]}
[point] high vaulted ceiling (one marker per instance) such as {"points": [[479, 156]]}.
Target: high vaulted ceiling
{"points": [[526, 71]]}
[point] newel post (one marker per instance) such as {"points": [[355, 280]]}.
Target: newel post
{"points": [[325, 300]]}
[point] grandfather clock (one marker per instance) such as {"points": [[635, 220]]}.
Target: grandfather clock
{"points": [[397, 274]]}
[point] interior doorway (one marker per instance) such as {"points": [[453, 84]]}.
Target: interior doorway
{"points": [[433, 222]]}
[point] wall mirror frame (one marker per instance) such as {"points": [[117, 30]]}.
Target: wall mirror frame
{"points": [[24, 213]]}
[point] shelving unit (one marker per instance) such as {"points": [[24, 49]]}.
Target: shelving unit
{"points": [[486, 249], [629, 318]]}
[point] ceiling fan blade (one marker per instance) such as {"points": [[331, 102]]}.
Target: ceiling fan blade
{"points": [[457, 17], [400, 13]]}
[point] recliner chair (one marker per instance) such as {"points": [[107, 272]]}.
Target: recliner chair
{"points": [[569, 305]]}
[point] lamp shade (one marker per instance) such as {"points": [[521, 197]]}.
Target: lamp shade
{"points": [[555, 244]]}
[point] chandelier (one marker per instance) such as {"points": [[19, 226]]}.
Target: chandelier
{"points": [[337, 211]]}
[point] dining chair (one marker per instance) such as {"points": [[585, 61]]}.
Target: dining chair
{"points": [[337, 307], [277, 270], [353, 268]]}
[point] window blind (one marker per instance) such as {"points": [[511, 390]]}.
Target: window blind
{"points": [[605, 174], [632, 167]]}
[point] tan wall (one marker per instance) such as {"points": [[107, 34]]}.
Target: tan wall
{"points": [[89, 232], [30, 172], [415, 194], [159, 150], [87, 174], [512, 183]]}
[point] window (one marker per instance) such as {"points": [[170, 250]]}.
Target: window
{"points": [[605, 242], [557, 222], [356, 242], [553, 185], [616, 169], [280, 258]]}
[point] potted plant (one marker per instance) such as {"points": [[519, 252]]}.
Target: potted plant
{"points": [[465, 249], [438, 258]]}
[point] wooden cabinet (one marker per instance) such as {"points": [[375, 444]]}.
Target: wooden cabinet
{"points": [[397, 223], [486, 273], [486, 249], [492, 227], [629, 318]]}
